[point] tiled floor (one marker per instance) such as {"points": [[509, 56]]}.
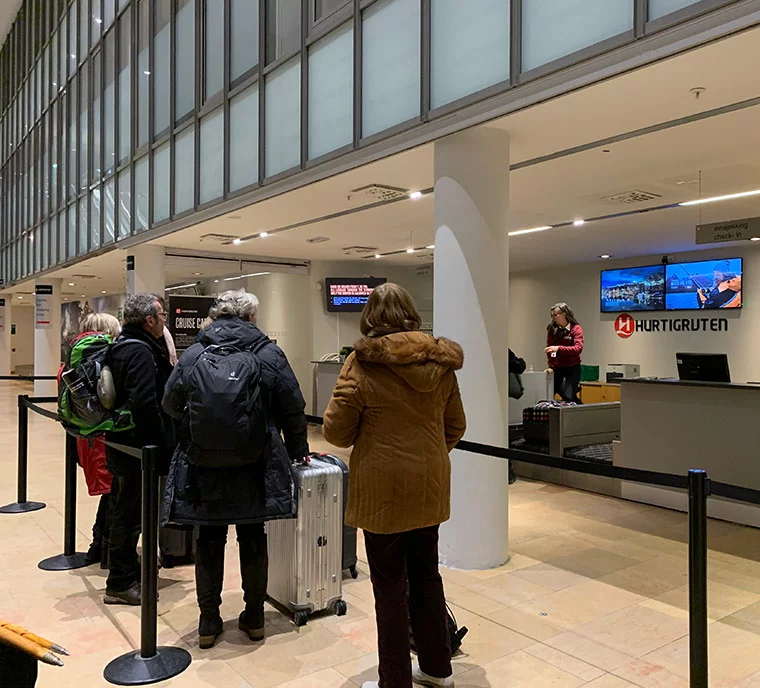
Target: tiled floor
{"points": [[595, 595]]}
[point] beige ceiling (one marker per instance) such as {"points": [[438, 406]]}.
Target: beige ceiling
{"points": [[725, 147]]}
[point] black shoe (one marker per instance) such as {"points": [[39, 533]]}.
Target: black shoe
{"points": [[210, 627], [132, 596], [94, 554], [252, 624]]}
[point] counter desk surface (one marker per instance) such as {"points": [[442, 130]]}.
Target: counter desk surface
{"points": [[673, 426]]}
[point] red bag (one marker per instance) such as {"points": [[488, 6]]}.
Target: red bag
{"points": [[92, 458]]}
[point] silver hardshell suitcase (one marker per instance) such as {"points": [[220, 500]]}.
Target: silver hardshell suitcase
{"points": [[306, 553]]}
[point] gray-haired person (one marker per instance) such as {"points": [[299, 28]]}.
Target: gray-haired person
{"points": [[140, 366], [242, 424]]}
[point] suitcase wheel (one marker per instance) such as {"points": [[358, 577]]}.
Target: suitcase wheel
{"points": [[166, 561], [340, 608], [354, 573], [300, 618]]}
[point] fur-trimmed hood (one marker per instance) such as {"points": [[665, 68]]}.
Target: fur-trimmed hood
{"points": [[419, 359]]}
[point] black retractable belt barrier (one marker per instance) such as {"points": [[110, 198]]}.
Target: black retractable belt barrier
{"points": [[22, 505], [699, 489], [70, 559], [149, 664], [28, 378]]}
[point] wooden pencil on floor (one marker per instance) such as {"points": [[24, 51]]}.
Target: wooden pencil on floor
{"points": [[48, 644], [29, 646]]}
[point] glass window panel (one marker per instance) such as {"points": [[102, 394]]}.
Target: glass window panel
{"points": [[143, 71], [323, 8], [282, 143], [659, 8], [84, 112], [552, 30], [108, 13], [37, 244], [283, 28], [331, 92], [469, 50], [141, 194], [63, 53], [184, 171], [391, 64], [185, 65], [53, 74], [244, 29], [244, 139], [57, 238], [125, 203], [95, 218], [109, 104], [214, 43], [82, 230], [125, 86], [45, 247], [212, 156], [122, 3], [54, 178], [73, 36], [161, 67], [97, 88], [161, 183], [96, 25], [109, 211], [84, 25], [73, 108]]}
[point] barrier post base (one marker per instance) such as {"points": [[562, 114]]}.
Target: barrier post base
{"points": [[63, 562], [21, 507], [132, 669]]}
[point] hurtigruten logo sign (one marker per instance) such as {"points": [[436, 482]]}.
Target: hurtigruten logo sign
{"points": [[626, 325]]}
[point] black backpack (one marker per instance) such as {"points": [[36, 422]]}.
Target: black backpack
{"points": [[225, 413]]}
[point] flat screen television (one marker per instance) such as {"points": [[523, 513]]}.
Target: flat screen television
{"points": [[703, 367], [633, 289], [349, 294], [704, 285]]}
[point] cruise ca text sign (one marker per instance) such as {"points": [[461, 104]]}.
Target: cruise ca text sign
{"points": [[626, 325]]}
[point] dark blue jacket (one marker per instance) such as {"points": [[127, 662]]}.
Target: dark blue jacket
{"points": [[247, 494]]}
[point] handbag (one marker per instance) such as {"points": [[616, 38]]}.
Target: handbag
{"points": [[516, 389]]}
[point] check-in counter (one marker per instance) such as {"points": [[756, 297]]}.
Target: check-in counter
{"points": [[673, 426]]}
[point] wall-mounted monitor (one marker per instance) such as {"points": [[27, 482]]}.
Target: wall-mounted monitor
{"points": [[705, 284], [633, 289], [349, 294]]}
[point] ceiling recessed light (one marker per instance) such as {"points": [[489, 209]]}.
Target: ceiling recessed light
{"points": [[605, 256], [264, 235], [530, 231], [415, 195], [197, 274], [216, 281], [410, 250], [431, 247], [103, 291], [84, 296], [72, 284], [378, 256], [755, 239], [579, 223], [237, 241], [20, 297], [727, 197]]}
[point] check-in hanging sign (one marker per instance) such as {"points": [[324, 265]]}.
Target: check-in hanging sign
{"points": [[731, 230], [43, 306]]}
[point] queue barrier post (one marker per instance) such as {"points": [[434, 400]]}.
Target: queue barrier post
{"points": [[151, 663], [699, 489], [21, 506], [70, 559]]}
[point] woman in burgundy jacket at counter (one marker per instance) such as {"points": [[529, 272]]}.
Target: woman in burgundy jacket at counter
{"points": [[564, 345]]}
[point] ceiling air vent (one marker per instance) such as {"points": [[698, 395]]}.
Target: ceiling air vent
{"points": [[317, 240], [85, 277], [220, 238], [377, 192], [629, 197], [359, 250]]}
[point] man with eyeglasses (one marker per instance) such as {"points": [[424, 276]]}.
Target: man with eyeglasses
{"points": [[140, 366]]}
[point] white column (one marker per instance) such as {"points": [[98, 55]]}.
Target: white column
{"points": [[6, 303], [471, 285], [47, 334], [146, 270]]}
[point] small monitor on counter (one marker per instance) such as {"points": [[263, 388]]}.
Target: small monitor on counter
{"points": [[349, 294], [703, 367]]}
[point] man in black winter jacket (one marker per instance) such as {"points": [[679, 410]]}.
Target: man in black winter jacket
{"points": [[140, 365]]}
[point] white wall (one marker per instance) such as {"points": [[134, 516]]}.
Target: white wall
{"points": [[22, 342], [531, 295]]}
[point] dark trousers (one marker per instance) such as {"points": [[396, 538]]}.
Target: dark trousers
{"points": [[126, 522], [101, 528], [567, 383], [209, 566], [392, 560]]}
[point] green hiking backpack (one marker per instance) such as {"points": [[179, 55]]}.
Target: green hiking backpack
{"points": [[86, 391]]}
